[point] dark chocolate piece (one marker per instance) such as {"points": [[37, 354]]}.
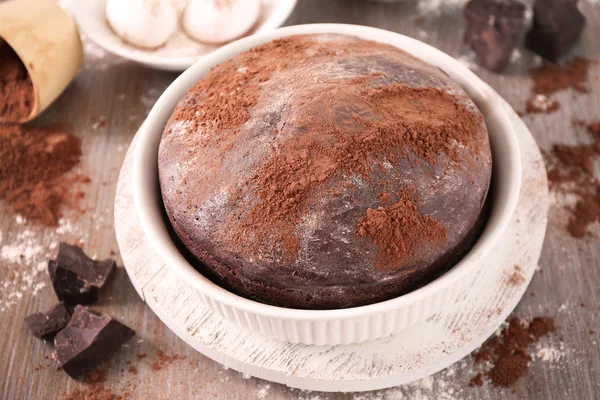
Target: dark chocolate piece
{"points": [[89, 339], [76, 278], [557, 25], [493, 30], [45, 326]]}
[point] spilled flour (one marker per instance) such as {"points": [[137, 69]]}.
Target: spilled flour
{"points": [[24, 256]]}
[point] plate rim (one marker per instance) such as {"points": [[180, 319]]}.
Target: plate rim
{"points": [[104, 38], [168, 314]]}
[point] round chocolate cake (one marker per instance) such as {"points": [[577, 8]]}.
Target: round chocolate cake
{"points": [[325, 171]]}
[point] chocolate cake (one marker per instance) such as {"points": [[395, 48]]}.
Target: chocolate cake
{"points": [[325, 171]]}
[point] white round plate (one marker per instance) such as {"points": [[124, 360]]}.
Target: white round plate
{"points": [[90, 17], [412, 354]]}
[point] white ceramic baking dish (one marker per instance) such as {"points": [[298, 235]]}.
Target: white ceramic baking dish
{"points": [[351, 325]]}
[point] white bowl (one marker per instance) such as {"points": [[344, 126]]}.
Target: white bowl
{"points": [[350, 325], [91, 18]]}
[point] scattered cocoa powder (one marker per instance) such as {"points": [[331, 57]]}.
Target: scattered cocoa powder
{"points": [[571, 170], [164, 360], [95, 392], [95, 385], [421, 123], [16, 90], [586, 212], [579, 157], [477, 380], [508, 353], [96, 376], [550, 78], [594, 129], [484, 354], [540, 327], [34, 172], [397, 229], [516, 278]]}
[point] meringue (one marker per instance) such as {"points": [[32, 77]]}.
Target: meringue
{"points": [[142, 23], [220, 21]]}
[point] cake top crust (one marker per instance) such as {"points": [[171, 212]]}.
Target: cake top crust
{"points": [[324, 158]]}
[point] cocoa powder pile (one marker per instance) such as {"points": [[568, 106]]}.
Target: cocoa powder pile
{"points": [[300, 167], [390, 229], [507, 355], [571, 171], [34, 172], [16, 89]]}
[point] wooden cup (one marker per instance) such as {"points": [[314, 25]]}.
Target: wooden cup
{"points": [[47, 40]]}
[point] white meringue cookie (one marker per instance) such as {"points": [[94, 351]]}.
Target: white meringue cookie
{"points": [[219, 21], [143, 23]]}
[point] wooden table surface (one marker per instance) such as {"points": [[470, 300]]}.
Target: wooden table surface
{"points": [[120, 92]]}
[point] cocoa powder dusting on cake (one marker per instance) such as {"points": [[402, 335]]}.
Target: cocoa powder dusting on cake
{"points": [[416, 123], [269, 203], [228, 91], [385, 199], [508, 353], [305, 162], [16, 90], [34, 172], [397, 229]]}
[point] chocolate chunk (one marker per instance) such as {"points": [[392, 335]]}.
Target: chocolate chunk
{"points": [[557, 25], [493, 30], [89, 339], [76, 278], [45, 326]]}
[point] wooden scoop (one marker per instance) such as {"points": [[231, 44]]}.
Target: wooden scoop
{"points": [[47, 40]]}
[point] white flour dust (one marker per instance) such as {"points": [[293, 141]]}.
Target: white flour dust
{"points": [[24, 257]]}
